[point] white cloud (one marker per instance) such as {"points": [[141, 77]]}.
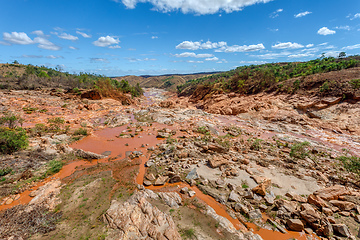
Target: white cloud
{"points": [[46, 44], [325, 31], [190, 45], [287, 45], [343, 27], [302, 14], [309, 45], [154, 37], [351, 47], [357, 15], [149, 59], [272, 55], [244, 48], [73, 48], [54, 57], [106, 41], [98, 60], [68, 37], [38, 32], [212, 59], [195, 6], [192, 61], [253, 62], [276, 13], [114, 47], [84, 35], [301, 55], [191, 54], [331, 54], [17, 38]]}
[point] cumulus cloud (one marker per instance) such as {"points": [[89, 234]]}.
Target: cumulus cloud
{"points": [[39, 33], [46, 44], [302, 14], [331, 54], [351, 47], [106, 41], [343, 27], [68, 37], [17, 38], [84, 35], [73, 48], [114, 47], [287, 45], [244, 48], [212, 59], [192, 54], [190, 45], [253, 62], [195, 6], [276, 13], [154, 37], [325, 31]]}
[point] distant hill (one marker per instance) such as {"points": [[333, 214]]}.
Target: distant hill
{"points": [[168, 81]]}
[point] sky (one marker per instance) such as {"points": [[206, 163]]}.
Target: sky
{"points": [[153, 37]]}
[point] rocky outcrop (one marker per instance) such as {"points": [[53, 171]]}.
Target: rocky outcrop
{"points": [[139, 219], [87, 155]]}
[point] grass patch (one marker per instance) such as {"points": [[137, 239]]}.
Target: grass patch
{"points": [[299, 150], [81, 131], [5, 171], [352, 163]]}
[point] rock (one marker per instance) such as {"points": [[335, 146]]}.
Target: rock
{"points": [[147, 183], [174, 179], [341, 230], [150, 177], [161, 180], [184, 190], [261, 188], [234, 197], [32, 194], [317, 201], [296, 197], [357, 218], [17, 197], [327, 211], [269, 198], [332, 193], [87, 155], [310, 216], [217, 161], [217, 148], [191, 193], [343, 205], [138, 219], [278, 226], [255, 214], [238, 207], [47, 195], [193, 174], [343, 213], [328, 229], [295, 225], [172, 199], [9, 201], [26, 174]]}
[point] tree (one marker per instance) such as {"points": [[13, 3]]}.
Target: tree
{"points": [[15, 62], [342, 54]]}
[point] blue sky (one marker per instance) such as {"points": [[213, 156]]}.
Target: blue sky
{"points": [[136, 37]]}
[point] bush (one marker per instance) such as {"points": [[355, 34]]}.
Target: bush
{"points": [[5, 171], [54, 167], [355, 83], [352, 164], [299, 150], [81, 131], [11, 120], [12, 140]]}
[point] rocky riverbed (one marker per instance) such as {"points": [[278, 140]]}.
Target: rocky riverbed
{"points": [[168, 167]]}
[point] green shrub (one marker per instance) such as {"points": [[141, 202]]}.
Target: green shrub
{"points": [[56, 125], [5, 171], [352, 164], [299, 150], [255, 143], [355, 83], [43, 74], [54, 167], [81, 131], [203, 130], [11, 120], [12, 140]]}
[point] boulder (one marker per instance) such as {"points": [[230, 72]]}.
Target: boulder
{"points": [[341, 230], [343, 205], [193, 174], [172, 199], [217, 161], [161, 180], [93, 95], [332, 193], [234, 197], [295, 225], [317, 201], [310, 216]]}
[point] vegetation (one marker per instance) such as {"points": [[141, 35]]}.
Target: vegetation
{"points": [[299, 150], [12, 140], [81, 131], [355, 83], [54, 167], [266, 77], [5, 171], [34, 77], [351, 163]]}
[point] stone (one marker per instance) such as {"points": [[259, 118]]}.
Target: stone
{"points": [[259, 189], [150, 177], [175, 179], [9, 201], [306, 206], [239, 207], [217, 161], [296, 197], [295, 225], [172, 199], [217, 148], [87, 155], [193, 174], [341, 230], [147, 183], [310, 216], [343, 205], [317, 201], [357, 218], [234, 197], [269, 199], [278, 226], [92, 94], [332, 193], [191, 193], [331, 219], [184, 190], [161, 180], [255, 214], [345, 214], [327, 211]]}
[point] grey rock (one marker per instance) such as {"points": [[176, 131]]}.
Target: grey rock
{"points": [[234, 197], [341, 230], [193, 174]]}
